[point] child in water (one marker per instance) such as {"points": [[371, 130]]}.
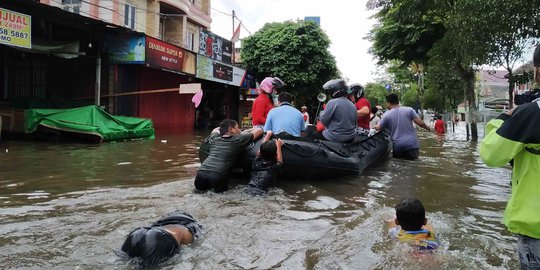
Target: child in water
{"points": [[267, 164], [410, 225], [161, 240], [439, 125]]}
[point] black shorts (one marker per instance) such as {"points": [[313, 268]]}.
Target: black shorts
{"points": [[150, 246], [410, 154], [206, 180]]}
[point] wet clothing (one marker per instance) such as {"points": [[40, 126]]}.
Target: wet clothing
{"points": [[439, 126], [205, 180], [517, 138], [410, 154], [400, 122], [224, 152], [285, 118], [260, 109], [153, 244], [263, 173], [363, 121], [339, 118], [529, 252], [423, 239]]}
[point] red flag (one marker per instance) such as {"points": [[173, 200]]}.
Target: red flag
{"points": [[236, 34]]}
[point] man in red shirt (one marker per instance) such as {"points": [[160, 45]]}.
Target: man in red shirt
{"points": [[363, 108], [263, 103]]}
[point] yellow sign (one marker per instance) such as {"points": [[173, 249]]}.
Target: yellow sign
{"points": [[15, 28]]}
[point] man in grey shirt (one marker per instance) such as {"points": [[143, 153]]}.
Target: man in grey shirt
{"points": [[339, 116], [399, 120]]}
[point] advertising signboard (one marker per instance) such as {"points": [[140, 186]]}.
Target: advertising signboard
{"points": [[124, 49], [215, 47], [15, 29], [163, 55], [212, 70]]}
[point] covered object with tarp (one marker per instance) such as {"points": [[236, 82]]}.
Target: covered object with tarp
{"points": [[88, 123]]}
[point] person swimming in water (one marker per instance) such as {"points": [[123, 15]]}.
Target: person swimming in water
{"points": [[161, 240]]}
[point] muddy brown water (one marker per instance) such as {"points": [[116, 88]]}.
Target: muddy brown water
{"points": [[70, 206]]}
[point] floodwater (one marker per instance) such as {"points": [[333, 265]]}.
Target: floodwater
{"points": [[70, 206]]}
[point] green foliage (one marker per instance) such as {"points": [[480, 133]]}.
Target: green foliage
{"points": [[297, 52], [406, 31], [409, 96], [376, 93]]}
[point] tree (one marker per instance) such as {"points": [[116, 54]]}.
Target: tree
{"points": [[376, 93], [464, 34], [444, 88], [507, 28], [297, 52]]}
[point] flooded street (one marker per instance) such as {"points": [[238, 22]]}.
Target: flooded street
{"points": [[71, 206]]}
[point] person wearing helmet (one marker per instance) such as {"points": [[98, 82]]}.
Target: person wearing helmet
{"points": [[161, 240], [363, 108], [339, 116], [263, 103]]}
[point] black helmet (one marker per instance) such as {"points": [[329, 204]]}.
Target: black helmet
{"points": [[278, 83], [357, 90], [336, 87]]}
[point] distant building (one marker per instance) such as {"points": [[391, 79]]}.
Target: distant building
{"points": [[315, 19]]}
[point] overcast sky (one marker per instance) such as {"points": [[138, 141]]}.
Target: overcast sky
{"points": [[346, 22]]}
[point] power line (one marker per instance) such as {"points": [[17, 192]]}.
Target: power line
{"points": [[228, 14]]}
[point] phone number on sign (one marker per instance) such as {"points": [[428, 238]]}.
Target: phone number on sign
{"points": [[4, 32]]}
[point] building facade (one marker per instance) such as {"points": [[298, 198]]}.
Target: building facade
{"points": [[128, 56]]}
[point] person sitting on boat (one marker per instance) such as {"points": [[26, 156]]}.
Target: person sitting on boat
{"points": [[264, 102], [161, 240], [339, 116], [375, 117], [226, 143], [266, 165], [363, 108], [285, 118], [399, 120], [410, 225]]}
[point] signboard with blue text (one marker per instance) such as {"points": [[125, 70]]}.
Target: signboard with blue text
{"points": [[125, 49]]}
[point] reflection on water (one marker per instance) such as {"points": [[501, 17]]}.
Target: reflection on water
{"points": [[70, 206]]}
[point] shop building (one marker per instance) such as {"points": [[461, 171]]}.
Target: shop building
{"points": [[128, 58]]}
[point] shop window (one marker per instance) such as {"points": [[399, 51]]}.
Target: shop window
{"points": [[129, 16], [190, 40], [162, 28], [72, 6]]}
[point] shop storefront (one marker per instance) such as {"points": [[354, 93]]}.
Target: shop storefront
{"points": [[146, 78]]}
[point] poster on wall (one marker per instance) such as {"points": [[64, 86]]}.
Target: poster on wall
{"points": [[125, 49], [212, 70], [163, 55], [15, 29], [215, 47]]}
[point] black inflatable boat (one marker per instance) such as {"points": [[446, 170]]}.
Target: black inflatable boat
{"points": [[310, 158]]}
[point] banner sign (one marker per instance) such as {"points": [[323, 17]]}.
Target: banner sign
{"points": [[215, 47], [211, 70], [15, 29], [124, 49], [164, 55]]}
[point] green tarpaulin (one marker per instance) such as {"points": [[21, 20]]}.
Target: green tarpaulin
{"points": [[89, 120]]}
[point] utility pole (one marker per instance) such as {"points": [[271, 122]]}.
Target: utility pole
{"points": [[233, 47]]}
